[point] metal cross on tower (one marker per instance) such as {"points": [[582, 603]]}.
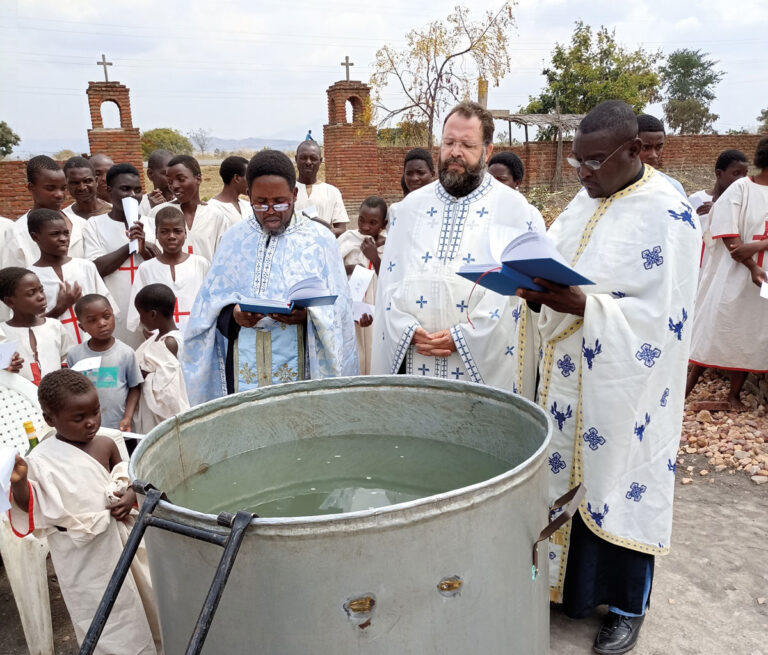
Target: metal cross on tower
{"points": [[347, 64], [106, 63]]}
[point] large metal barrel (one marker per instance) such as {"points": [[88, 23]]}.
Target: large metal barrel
{"points": [[446, 574]]}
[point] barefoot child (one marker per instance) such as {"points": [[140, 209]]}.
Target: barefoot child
{"points": [[174, 267], [363, 247], [41, 342], [73, 489], [64, 278], [163, 393], [118, 378]]}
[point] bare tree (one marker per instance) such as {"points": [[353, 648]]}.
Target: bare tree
{"points": [[441, 62], [201, 137]]}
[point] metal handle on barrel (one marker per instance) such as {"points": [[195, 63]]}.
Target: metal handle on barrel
{"points": [[570, 502]]}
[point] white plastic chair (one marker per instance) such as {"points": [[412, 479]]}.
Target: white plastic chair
{"points": [[25, 559]]}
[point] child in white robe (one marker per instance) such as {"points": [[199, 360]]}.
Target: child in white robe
{"points": [[163, 392], [74, 489], [363, 247], [64, 278], [182, 272], [42, 343], [229, 200]]}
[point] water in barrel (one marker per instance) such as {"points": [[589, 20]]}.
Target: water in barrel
{"points": [[334, 475]]}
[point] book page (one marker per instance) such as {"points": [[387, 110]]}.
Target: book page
{"points": [[532, 245], [311, 287], [7, 348], [359, 282]]}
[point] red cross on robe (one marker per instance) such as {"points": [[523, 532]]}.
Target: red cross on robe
{"points": [[190, 250], [131, 267], [73, 319], [177, 314], [760, 237]]}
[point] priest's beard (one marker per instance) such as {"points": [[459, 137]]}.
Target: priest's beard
{"points": [[460, 184]]}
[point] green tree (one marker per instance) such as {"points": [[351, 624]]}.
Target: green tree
{"points": [[407, 133], [763, 118], [8, 139], [688, 79], [165, 138], [441, 63], [591, 69]]}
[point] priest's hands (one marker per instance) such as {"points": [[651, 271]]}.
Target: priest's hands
{"points": [[245, 319], [296, 317], [437, 344], [122, 508], [566, 300]]}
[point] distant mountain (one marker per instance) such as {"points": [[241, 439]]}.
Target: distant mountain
{"points": [[251, 143]]}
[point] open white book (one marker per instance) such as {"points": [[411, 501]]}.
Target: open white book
{"points": [[310, 292]]}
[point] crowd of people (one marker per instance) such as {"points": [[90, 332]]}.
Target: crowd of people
{"points": [[123, 324]]}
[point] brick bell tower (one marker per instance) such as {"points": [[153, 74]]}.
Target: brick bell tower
{"points": [[122, 144]]}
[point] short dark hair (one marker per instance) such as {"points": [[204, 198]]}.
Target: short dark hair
{"points": [[469, 109], [158, 157], [39, 217], [89, 299], [40, 163], [57, 387], [648, 123], [728, 157], [78, 162], [421, 154], [614, 116], [188, 161], [271, 162], [761, 153], [120, 169], [168, 213], [512, 162], [307, 143], [232, 166], [9, 280], [158, 297], [376, 202]]}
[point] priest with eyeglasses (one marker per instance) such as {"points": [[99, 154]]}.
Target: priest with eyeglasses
{"points": [[229, 349]]}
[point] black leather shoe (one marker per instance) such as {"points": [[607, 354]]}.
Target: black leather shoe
{"points": [[618, 634]]}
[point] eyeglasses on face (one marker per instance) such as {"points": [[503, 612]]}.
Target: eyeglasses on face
{"points": [[276, 206], [594, 164]]}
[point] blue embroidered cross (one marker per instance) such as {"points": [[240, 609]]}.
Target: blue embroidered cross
{"points": [[652, 257], [640, 429], [427, 257], [424, 370], [481, 212], [636, 491], [495, 314], [457, 373], [560, 417], [598, 517], [566, 366], [421, 302], [590, 353], [510, 350], [391, 266], [552, 555], [462, 306], [469, 258], [677, 328], [432, 212], [618, 294], [556, 463], [664, 396], [648, 354], [671, 466], [530, 226], [594, 438], [686, 216], [388, 307], [516, 314]]}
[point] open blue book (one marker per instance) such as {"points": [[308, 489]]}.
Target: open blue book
{"points": [[530, 255], [311, 292]]}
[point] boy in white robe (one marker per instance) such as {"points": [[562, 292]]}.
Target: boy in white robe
{"points": [[174, 267], [364, 247], [157, 169], [41, 342], [163, 392], [64, 278], [230, 201], [47, 185], [108, 245], [73, 488], [206, 223], [325, 198], [82, 186]]}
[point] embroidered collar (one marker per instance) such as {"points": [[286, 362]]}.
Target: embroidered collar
{"points": [[478, 193], [294, 225]]}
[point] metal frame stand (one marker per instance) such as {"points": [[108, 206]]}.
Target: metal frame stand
{"points": [[230, 543]]}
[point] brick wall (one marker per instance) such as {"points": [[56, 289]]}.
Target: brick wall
{"points": [[14, 197]]}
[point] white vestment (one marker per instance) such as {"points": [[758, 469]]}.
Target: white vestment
{"points": [[6, 230], [103, 236], [85, 274], [208, 227], [324, 197], [163, 392], [189, 277], [430, 236], [53, 342], [69, 492], [235, 215], [20, 250], [349, 244], [731, 317], [613, 382]]}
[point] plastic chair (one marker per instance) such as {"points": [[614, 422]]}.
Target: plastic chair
{"points": [[25, 559]]}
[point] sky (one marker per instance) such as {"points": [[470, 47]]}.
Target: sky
{"points": [[257, 68]]}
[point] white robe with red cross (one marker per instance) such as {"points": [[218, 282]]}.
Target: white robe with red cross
{"points": [[208, 226]]}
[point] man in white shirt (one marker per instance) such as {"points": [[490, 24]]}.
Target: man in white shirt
{"points": [[324, 198]]}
